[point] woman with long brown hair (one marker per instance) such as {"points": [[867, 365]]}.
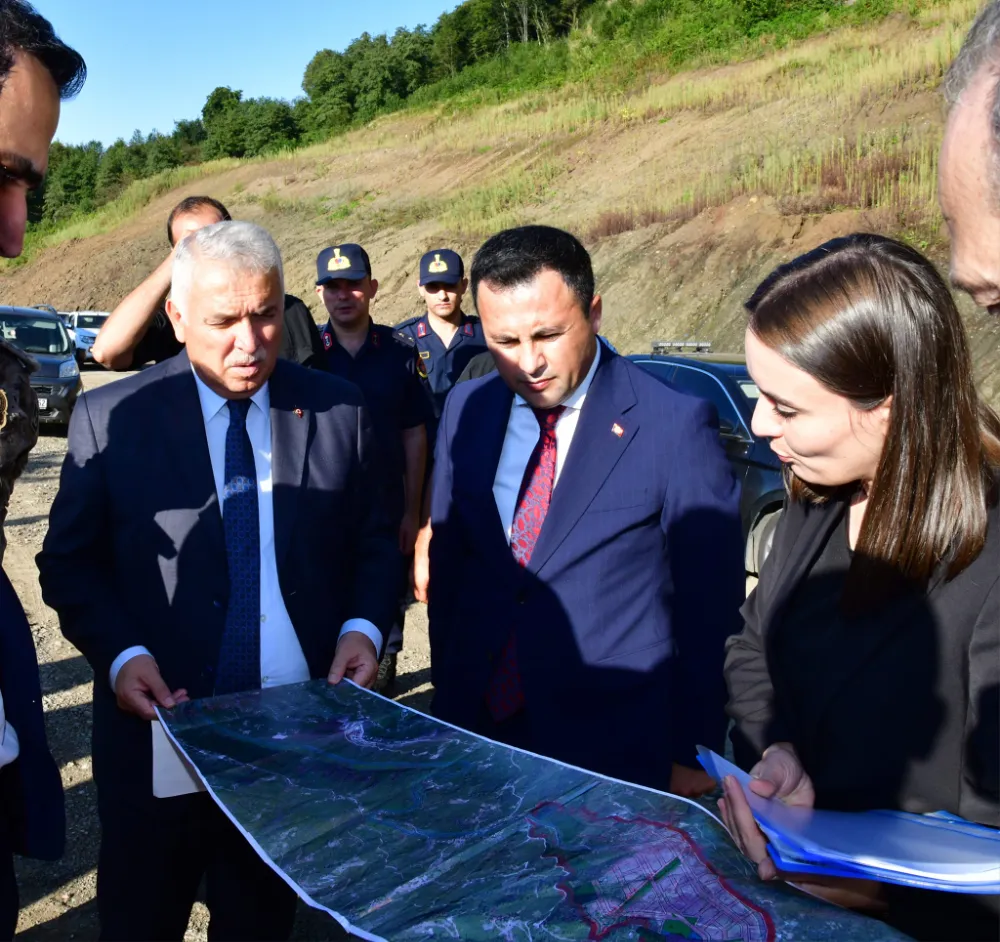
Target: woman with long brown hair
{"points": [[868, 670]]}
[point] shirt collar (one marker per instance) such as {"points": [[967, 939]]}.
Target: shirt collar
{"points": [[212, 403], [576, 398]]}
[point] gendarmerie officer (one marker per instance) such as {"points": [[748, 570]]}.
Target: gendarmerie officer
{"points": [[384, 364], [446, 337]]}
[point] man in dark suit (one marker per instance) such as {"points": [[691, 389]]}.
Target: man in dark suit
{"points": [[224, 516], [37, 71], [586, 566]]}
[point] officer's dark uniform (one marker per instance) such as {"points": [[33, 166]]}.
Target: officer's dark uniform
{"points": [[442, 364], [387, 370], [390, 375]]}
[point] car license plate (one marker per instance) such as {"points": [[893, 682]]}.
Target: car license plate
{"points": [[43, 403]]}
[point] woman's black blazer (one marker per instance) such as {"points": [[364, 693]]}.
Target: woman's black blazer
{"points": [[906, 712]]}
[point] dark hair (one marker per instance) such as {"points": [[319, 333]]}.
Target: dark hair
{"points": [[515, 256], [23, 29], [193, 204], [870, 317]]}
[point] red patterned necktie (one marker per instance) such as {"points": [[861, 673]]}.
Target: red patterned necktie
{"points": [[504, 696]]}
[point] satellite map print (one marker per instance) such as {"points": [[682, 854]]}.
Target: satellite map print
{"points": [[405, 828]]}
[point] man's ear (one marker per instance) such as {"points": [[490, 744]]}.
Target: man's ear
{"points": [[374, 285], [176, 320], [596, 310]]}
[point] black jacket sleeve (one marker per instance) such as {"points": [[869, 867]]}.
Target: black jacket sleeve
{"points": [[300, 340], [482, 364]]}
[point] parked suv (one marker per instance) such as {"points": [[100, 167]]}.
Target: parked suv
{"points": [[723, 380], [44, 337], [83, 328]]}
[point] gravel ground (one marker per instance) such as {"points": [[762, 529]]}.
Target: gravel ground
{"points": [[57, 899]]}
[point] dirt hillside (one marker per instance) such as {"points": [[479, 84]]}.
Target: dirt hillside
{"points": [[688, 190]]}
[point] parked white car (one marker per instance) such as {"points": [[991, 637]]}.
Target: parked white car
{"points": [[83, 327]]}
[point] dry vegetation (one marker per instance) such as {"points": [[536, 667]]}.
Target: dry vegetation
{"points": [[688, 187]]}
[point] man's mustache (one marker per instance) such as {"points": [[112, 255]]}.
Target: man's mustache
{"points": [[247, 359]]}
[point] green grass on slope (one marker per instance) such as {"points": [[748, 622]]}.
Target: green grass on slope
{"points": [[631, 39], [618, 51]]}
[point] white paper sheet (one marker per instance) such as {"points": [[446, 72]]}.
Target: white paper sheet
{"points": [[173, 775]]}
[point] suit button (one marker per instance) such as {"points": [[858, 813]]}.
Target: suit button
{"points": [[522, 597], [216, 603]]}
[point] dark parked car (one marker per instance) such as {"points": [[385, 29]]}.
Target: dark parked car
{"points": [[44, 336], [723, 380]]}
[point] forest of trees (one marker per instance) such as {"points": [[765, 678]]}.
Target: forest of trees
{"points": [[499, 46]]}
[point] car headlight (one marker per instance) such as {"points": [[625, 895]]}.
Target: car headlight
{"points": [[68, 368]]}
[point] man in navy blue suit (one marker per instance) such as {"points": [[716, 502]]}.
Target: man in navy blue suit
{"points": [[586, 564], [223, 511], [37, 71]]}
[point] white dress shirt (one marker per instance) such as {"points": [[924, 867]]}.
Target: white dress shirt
{"points": [[281, 657], [522, 436], [9, 746]]}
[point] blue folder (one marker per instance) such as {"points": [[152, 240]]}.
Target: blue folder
{"points": [[938, 851]]}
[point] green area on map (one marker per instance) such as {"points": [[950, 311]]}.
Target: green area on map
{"points": [[412, 830]]}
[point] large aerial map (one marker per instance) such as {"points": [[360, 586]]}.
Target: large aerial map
{"points": [[404, 828]]}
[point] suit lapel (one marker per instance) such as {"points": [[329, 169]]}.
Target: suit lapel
{"points": [[184, 435], [487, 412], [291, 427], [597, 447]]}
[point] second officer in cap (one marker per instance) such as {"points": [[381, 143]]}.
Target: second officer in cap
{"points": [[446, 337], [384, 364]]}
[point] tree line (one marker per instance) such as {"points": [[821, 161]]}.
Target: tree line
{"points": [[499, 46]]}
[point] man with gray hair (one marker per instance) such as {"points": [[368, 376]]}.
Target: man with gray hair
{"points": [[224, 514], [969, 171]]}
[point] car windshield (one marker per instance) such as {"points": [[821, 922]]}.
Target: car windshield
{"points": [[91, 320], [34, 334]]}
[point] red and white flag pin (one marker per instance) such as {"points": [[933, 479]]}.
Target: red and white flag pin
{"points": [[618, 430]]}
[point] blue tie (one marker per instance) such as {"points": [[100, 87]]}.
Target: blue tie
{"points": [[239, 654]]}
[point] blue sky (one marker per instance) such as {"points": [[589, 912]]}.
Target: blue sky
{"points": [[152, 62]]}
